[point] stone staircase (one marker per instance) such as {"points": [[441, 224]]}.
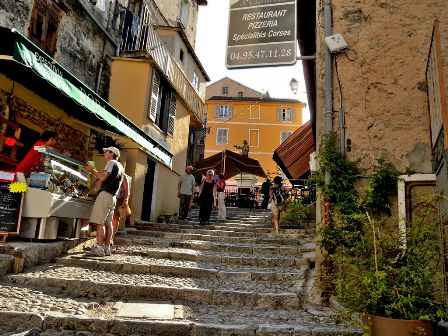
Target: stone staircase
{"points": [[232, 278]]}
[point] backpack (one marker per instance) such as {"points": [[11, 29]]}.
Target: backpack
{"points": [[277, 196]]}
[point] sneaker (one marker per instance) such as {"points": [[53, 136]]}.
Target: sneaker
{"points": [[97, 251], [107, 251]]}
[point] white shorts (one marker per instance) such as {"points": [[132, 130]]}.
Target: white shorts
{"points": [[103, 208]]}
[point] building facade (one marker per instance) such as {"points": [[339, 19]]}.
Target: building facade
{"points": [[236, 113], [373, 94], [134, 65]]}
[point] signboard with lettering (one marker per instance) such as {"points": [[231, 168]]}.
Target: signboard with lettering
{"points": [[10, 210], [261, 33]]}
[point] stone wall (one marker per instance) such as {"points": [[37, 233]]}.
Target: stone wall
{"points": [[384, 84], [81, 45]]}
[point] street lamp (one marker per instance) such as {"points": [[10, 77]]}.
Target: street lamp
{"points": [[294, 84]]}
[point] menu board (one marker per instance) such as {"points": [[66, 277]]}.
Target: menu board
{"points": [[10, 210]]}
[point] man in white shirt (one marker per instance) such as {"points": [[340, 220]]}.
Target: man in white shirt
{"points": [[103, 208], [185, 189]]}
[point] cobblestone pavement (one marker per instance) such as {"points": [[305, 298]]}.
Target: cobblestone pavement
{"points": [[234, 278]]}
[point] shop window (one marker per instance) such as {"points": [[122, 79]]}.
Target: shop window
{"points": [[44, 25], [162, 107], [222, 136]]}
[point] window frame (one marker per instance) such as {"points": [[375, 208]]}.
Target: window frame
{"points": [[225, 90], [196, 82], [258, 137], [51, 16], [257, 109], [222, 108], [184, 12], [281, 136], [284, 111], [218, 136]]}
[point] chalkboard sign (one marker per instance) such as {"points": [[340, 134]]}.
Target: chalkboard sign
{"points": [[10, 210]]}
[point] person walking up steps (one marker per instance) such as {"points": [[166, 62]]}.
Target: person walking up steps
{"points": [[265, 187], [220, 188], [207, 197], [185, 189], [278, 201]]}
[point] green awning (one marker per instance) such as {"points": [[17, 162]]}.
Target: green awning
{"points": [[24, 62]]}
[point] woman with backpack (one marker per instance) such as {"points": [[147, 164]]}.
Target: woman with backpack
{"points": [[278, 202]]}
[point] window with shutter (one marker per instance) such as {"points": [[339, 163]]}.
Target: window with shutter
{"points": [[284, 135], [154, 100], [284, 114], [224, 112], [222, 135], [44, 24], [172, 114], [162, 106]]}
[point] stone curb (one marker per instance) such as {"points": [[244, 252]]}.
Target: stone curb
{"points": [[126, 327], [232, 298], [197, 272]]}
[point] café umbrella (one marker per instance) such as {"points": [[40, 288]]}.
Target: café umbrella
{"points": [[230, 164]]}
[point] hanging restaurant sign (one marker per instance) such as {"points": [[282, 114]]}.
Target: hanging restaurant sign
{"points": [[261, 33]]}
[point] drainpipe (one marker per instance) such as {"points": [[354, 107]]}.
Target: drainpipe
{"points": [[328, 78]]}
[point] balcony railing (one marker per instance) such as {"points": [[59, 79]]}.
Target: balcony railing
{"points": [[146, 39]]}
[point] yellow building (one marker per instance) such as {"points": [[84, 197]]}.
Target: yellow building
{"points": [[236, 113]]}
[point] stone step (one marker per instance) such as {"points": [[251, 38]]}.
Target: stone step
{"points": [[220, 236], [115, 284], [217, 257], [143, 265], [101, 319], [212, 245], [196, 226], [241, 230]]}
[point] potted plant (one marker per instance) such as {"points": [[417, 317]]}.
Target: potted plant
{"points": [[392, 278], [384, 274]]}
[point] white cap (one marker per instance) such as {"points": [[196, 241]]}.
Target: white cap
{"points": [[114, 150]]}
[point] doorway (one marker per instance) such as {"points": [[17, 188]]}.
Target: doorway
{"points": [[147, 193]]}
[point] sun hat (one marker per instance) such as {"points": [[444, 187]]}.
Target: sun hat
{"points": [[114, 150]]}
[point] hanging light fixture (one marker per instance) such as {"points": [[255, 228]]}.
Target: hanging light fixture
{"points": [[294, 84]]}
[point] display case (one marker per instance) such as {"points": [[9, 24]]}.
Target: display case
{"points": [[53, 205]]}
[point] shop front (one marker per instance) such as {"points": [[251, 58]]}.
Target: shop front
{"points": [[37, 94]]}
